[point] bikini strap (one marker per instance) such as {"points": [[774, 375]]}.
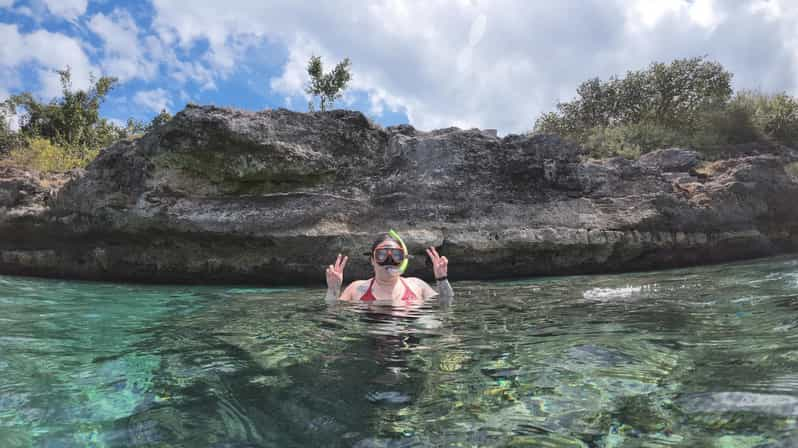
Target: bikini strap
{"points": [[369, 296], [408, 294]]}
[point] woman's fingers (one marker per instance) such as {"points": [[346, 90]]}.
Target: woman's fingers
{"points": [[338, 262]]}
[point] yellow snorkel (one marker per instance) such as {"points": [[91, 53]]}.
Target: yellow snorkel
{"points": [[393, 234]]}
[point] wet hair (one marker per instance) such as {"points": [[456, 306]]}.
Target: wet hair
{"points": [[383, 237]]}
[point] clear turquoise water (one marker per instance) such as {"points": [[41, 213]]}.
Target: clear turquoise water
{"points": [[693, 357]]}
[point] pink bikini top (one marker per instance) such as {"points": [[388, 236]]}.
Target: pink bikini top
{"points": [[408, 295]]}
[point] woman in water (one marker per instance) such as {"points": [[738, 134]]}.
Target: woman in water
{"points": [[389, 258]]}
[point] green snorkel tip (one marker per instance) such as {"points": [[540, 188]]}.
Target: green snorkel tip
{"points": [[393, 234]]}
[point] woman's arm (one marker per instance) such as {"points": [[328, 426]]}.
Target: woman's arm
{"points": [[355, 289], [335, 278], [445, 291], [440, 268], [333, 293]]}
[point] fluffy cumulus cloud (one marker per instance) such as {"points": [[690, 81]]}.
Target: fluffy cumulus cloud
{"points": [[495, 64], [68, 9], [46, 51], [153, 100], [124, 56]]}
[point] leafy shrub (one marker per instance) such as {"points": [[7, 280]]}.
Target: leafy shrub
{"points": [[67, 132], [330, 86], [672, 95], [630, 141], [774, 116], [792, 170], [39, 154], [685, 103], [73, 120], [731, 124]]}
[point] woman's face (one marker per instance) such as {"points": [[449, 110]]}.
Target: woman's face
{"points": [[386, 272]]}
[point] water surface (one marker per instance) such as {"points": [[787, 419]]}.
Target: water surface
{"points": [[693, 357]]}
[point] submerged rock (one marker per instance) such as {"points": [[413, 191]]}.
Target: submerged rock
{"points": [[721, 402], [390, 397], [217, 195]]}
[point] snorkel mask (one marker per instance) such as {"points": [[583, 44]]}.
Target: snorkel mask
{"points": [[403, 264]]}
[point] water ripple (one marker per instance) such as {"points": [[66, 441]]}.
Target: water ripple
{"points": [[689, 357]]}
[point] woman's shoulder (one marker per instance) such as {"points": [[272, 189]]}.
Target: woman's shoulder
{"points": [[355, 288], [414, 280], [357, 284], [421, 287]]}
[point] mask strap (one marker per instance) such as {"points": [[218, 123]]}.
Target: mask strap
{"points": [[393, 234]]}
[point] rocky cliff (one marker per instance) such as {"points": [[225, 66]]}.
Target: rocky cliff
{"points": [[218, 195]]}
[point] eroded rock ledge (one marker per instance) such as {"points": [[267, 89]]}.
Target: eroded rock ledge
{"points": [[218, 195]]}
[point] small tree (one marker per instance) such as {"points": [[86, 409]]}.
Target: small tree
{"points": [[72, 121], [159, 119], [673, 95], [134, 127], [328, 87]]}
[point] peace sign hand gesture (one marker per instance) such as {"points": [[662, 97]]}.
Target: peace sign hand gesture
{"points": [[335, 273], [440, 265]]}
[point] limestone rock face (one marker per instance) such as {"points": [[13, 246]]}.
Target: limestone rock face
{"points": [[217, 195], [670, 160]]}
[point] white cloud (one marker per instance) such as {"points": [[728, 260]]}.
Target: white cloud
{"points": [[294, 76], [123, 55], [6, 3], [495, 64], [118, 122], [68, 9], [118, 31], [11, 120], [771, 8], [9, 81], [704, 13], [48, 52], [154, 100], [491, 64]]}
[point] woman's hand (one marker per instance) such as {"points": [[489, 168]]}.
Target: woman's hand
{"points": [[440, 265], [335, 273]]}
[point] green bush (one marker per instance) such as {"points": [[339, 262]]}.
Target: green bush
{"points": [[673, 95], [630, 141], [73, 120], [730, 124], [688, 103], [39, 154], [67, 132], [327, 86], [774, 116], [792, 170]]}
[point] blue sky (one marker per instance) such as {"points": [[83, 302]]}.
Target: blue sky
{"points": [[467, 63]]}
